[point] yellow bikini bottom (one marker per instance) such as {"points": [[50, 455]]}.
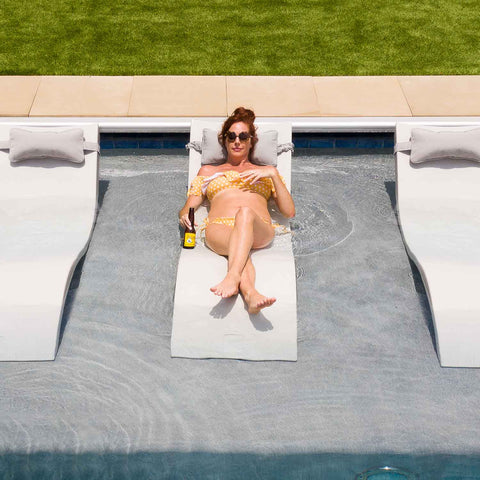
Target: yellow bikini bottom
{"points": [[230, 222]]}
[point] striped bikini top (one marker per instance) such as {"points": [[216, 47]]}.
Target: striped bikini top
{"points": [[210, 186]]}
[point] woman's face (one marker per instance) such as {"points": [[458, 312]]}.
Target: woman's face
{"points": [[238, 149]]}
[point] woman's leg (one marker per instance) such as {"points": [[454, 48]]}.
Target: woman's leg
{"points": [[254, 299], [250, 231]]}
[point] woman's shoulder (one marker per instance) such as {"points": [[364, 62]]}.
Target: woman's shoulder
{"points": [[207, 170]]}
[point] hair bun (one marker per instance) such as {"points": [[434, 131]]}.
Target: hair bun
{"points": [[244, 114]]}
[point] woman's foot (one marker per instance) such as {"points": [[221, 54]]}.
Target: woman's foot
{"points": [[256, 301], [227, 287]]}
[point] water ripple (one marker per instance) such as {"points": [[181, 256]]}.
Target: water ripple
{"points": [[318, 225]]}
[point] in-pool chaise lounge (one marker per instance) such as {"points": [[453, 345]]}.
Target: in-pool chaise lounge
{"points": [[205, 326], [438, 201], [48, 202]]}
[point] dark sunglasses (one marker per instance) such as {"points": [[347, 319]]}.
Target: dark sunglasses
{"points": [[242, 136]]}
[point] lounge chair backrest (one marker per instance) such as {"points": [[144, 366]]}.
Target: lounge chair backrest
{"points": [[284, 136], [439, 179], [35, 178]]}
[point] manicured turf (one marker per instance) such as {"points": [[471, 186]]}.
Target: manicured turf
{"points": [[250, 37]]}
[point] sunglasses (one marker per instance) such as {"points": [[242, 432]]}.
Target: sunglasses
{"points": [[242, 136]]}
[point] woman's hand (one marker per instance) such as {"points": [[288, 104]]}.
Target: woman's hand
{"points": [[252, 176], [282, 196], [193, 201], [185, 222]]}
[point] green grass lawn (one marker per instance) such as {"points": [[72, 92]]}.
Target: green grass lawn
{"points": [[249, 37]]}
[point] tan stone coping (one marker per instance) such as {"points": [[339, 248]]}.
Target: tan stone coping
{"points": [[212, 96]]}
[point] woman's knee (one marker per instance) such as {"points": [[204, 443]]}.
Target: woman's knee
{"points": [[264, 240], [245, 215]]}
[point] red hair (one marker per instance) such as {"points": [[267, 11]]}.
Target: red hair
{"points": [[244, 115]]}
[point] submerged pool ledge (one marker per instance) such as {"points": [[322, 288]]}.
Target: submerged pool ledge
{"points": [[299, 124]]}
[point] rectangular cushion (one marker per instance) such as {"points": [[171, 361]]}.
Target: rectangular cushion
{"points": [[427, 145], [36, 145]]}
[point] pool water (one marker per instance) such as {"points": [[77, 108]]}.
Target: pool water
{"points": [[367, 389]]}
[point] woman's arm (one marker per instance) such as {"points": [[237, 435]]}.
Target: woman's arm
{"points": [[193, 201], [196, 197], [282, 196]]}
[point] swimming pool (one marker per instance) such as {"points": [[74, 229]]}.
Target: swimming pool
{"points": [[367, 389]]}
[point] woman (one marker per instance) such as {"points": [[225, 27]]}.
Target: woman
{"points": [[239, 220]]}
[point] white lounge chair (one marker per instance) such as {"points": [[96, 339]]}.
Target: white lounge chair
{"points": [[205, 326], [47, 212], [438, 205]]}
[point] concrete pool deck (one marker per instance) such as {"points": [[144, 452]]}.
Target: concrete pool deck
{"points": [[198, 96]]}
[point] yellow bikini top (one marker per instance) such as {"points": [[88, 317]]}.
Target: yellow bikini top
{"points": [[210, 186]]}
